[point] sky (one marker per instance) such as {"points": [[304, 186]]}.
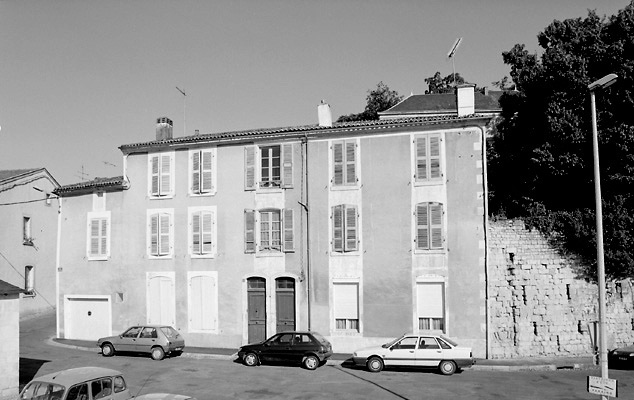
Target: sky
{"points": [[79, 78]]}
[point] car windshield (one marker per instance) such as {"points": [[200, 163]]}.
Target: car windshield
{"points": [[169, 332], [388, 344], [451, 342], [42, 391]]}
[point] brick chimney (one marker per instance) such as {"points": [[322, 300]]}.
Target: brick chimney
{"points": [[164, 127], [324, 114], [465, 98]]}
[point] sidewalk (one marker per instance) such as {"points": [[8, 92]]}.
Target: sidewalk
{"points": [[513, 364]]}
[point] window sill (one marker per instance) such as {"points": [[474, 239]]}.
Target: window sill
{"points": [[100, 258], [430, 252], [346, 333], [337, 188], [203, 256], [265, 253], [434, 182], [345, 254], [167, 196], [165, 257], [206, 194]]}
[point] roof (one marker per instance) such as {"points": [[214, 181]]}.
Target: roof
{"points": [[443, 103], [72, 376], [303, 131], [7, 289], [11, 175], [106, 184]]}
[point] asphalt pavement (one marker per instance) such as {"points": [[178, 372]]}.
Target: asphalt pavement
{"points": [[45, 326]]}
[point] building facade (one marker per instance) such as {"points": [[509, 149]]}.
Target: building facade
{"points": [[360, 231]]}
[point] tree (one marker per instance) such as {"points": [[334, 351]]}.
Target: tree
{"points": [[541, 163], [437, 84], [379, 99]]}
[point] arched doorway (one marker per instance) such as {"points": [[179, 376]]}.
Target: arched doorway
{"points": [[256, 303], [285, 304]]}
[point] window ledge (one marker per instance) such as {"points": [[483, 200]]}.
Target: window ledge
{"points": [[205, 194], [204, 256], [337, 188], [165, 257], [265, 253], [98, 258], [346, 333], [430, 252], [345, 254], [167, 196], [434, 182]]}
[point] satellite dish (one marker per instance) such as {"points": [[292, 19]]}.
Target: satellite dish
{"points": [[455, 46]]}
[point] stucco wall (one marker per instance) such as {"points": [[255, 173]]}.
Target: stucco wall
{"points": [[9, 346], [538, 305]]}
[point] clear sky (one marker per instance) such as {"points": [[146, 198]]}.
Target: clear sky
{"points": [[80, 78]]}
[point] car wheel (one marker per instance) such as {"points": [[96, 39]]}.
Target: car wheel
{"points": [[375, 364], [107, 350], [447, 367], [250, 360], [311, 362], [157, 353]]}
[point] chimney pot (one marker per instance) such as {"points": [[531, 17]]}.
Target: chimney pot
{"points": [[324, 114], [164, 128]]}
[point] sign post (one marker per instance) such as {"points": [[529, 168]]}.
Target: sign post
{"points": [[603, 386]]}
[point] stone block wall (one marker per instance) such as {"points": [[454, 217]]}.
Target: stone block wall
{"points": [[539, 306]]}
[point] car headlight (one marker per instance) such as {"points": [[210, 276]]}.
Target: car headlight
{"points": [[631, 354]]}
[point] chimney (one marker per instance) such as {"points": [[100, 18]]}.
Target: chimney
{"points": [[465, 98], [324, 114], [164, 127]]}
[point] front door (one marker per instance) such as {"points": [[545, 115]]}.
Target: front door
{"points": [[403, 352], [256, 299], [285, 304]]}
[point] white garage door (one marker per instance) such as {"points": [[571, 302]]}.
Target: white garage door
{"points": [[87, 318]]}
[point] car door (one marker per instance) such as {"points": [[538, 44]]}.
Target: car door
{"points": [[302, 344], [403, 352], [278, 349], [429, 352], [127, 340], [146, 340]]}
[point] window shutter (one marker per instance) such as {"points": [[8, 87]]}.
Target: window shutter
{"points": [[422, 227], [104, 237], [351, 163], [196, 233], [249, 231], [351, 227], [338, 164], [164, 240], [434, 157], [154, 190], [346, 299], [154, 234], [165, 185], [206, 171], [249, 168], [337, 228], [421, 158], [94, 237], [429, 300], [287, 166], [435, 209], [207, 232], [196, 172], [289, 242]]}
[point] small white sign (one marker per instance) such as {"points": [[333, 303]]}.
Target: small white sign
{"points": [[603, 386]]}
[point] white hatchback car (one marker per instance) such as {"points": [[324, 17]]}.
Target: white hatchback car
{"points": [[416, 350]]}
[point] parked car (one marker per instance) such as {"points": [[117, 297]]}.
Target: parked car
{"points": [[157, 340], [86, 383], [308, 348], [416, 350], [621, 357]]}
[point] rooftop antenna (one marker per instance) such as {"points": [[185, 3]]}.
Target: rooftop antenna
{"points": [[82, 175], [452, 54], [184, 103]]}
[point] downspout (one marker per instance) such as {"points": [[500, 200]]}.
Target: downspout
{"points": [[305, 205], [58, 246], [485, 200]]}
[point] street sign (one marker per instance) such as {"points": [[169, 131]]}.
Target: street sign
{"points": [[603, 386]]}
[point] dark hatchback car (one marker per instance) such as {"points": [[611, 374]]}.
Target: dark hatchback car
{"points": [[621, 358], [307, 348]]}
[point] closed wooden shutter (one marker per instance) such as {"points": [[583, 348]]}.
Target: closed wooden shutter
{"points": [[351, 226], [249, 231], [430, 300], [154, 235], [196, 233], [164, 240], [346, 299], [287, 166], [249, 168], [202, 298], [435, 210], [154, 190], [351, 160], [207, 220], [206, 172], [422, 226], [338, 163], [289, 240], [434, 157], [421, 158], [196, 172], [98, 237], [337, 228], [165, 185]]}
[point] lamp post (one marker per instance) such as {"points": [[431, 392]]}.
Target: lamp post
{"points": [[603, 359]]}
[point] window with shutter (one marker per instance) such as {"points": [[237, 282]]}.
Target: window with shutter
{"points": [[428, 165], [203, 231], [345, 222], [161, 176], [430, 299], [160, 234], [287, 166], [289, 239], [346, 306], [270, 230], [429, 226], [98, 235], [249, 231], [249, 168], [270, 166], [344, 159], [202, 171], [203, 301]]}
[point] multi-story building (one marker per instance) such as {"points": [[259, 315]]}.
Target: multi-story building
{"points": [[360, 231]]}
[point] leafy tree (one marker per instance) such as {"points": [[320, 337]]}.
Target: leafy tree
{"points": [[541, 163], [437, 84], [379, 99]]}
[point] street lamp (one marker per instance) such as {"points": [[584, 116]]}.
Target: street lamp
{"points": [[603, 359]]}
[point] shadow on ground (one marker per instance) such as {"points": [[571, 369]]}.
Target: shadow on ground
{"points": [[28, 369]]}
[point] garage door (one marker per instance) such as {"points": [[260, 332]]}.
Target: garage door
{"points": [[87, 318]]}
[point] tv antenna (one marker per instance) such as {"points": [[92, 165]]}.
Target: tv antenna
{"points": [[452, 55], [82, 175], [184, 103]]}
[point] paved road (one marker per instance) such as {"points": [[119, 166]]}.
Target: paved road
{"points": [[218, 379]]}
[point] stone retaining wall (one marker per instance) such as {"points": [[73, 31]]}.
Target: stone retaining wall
{"points": [[538, 306]]}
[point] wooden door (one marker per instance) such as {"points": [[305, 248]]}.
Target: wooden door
{"points": [[256, 298], [285, 304]]}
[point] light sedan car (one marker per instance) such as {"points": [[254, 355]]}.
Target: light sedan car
{"points": [[308, 348], [86, 383], [416, 350], [157, 340]]}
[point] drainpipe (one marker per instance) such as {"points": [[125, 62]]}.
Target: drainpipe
{"points": [[305, 206], [58, 246], [485, 200]]}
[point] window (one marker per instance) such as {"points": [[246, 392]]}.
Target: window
{"points": [[101, 388], [428, 158], [344, 161], [269, 230], [27, 239], [98, 247], [268, 167], [346, 306], [428, 342], [79, 392], [202, 301], [345, 228], [202, 171], [29, 280], [119, 384], [202, 223], [431, 305], [161, 171], [160, 233], [429, 226]]}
